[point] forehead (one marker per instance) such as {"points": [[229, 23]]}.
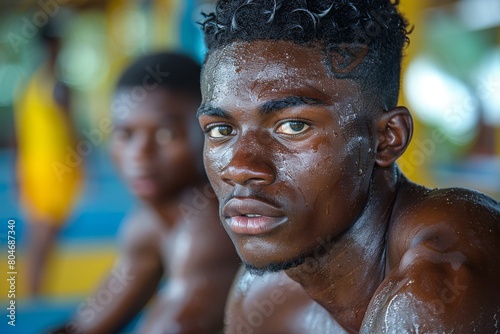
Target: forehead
{"points": [[159, 105], [259, 69]]}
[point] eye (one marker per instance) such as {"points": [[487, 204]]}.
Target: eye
{"points": [[163, 136], [220, 131], [292, 128]]}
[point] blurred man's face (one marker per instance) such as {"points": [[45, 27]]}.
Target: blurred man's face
{"points": [[153, 143], [288, 149]]}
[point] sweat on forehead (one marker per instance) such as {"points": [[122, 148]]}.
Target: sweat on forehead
{"points": [[279, 68], [374, 27], [279, 59]]}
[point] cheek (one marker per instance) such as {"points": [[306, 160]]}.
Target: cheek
{"points": [[327, 178], [178, 157], [215, 159], [311, 172], [322, 179], [177, 169], [359, 153], [116, 153], [355, 174]]}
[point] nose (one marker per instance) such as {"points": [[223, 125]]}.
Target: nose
{"points": [[250, 164], [142, 149]]}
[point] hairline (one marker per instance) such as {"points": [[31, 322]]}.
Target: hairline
{"points": [[327, 62]]}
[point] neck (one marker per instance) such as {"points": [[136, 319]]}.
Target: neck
{"points": [[344, 274]]}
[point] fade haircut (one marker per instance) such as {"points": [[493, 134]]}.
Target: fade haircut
{"points": [[361, 39], [180, 73]]}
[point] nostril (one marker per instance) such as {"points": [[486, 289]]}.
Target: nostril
{"points": [[249, 163], [142, 148], [246, 174]]}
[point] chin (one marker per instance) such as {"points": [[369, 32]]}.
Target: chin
{"points": [[148, 198], [274, 267]]}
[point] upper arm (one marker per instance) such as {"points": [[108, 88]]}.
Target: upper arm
{"points": [[139, 239], [127, 288], [428, 297], [446, 276]]}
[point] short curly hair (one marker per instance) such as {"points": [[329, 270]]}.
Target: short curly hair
{"points": [[373, 29], [183, 72]]}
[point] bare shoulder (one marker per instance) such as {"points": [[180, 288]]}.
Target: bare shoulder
{"points": [[209, 247], [274, 303], [443, 265], [445, 219], [140, 230], [200, 209]]}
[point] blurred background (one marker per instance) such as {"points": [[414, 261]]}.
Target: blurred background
{"points": [[451, 83]]}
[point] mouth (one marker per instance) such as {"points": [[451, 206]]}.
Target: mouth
{"points": [[143, 186], [248, 216]]}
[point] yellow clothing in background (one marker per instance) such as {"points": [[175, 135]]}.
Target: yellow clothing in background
{"points": [[43, 135]]}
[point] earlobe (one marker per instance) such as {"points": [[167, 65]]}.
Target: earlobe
{"points": [[394, 132]]}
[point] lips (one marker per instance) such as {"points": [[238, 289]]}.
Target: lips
{"points": [[250, 216], [144, 185]]}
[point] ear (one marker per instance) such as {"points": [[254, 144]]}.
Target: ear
{"points": [[394, 132]]}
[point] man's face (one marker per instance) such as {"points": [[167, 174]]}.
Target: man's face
{"points": [[288, 149], [152, 143]]}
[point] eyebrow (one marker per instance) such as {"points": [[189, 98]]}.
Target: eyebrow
{"points": [[287, 102], [265, 109], [211, 111]]}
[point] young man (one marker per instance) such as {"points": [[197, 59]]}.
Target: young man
{"points": [[175, 232], [302, 135]]}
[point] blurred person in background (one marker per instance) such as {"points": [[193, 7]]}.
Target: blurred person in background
{"points": [[175, 231], [49, 183]]}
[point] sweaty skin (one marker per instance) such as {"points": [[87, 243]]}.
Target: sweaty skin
{"points": [[274, 303], [303, 165], [175, 233]]}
